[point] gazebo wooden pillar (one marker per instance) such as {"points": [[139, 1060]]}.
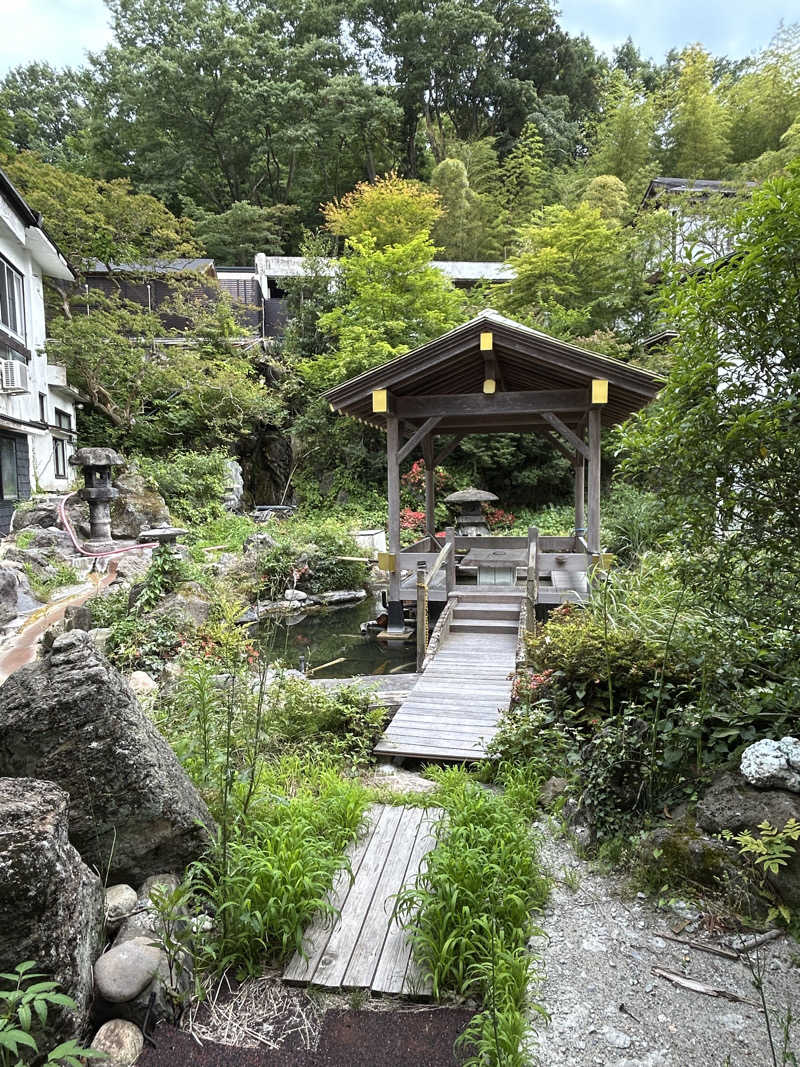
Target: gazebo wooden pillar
{"points": [[492, 375]]}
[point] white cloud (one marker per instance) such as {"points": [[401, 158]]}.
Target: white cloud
{"points": [[59, 32]]}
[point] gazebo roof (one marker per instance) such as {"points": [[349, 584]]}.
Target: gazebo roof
{"points": [[534, 373]]}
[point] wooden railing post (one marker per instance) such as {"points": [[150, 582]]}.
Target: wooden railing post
{"points": [[450, 579], [422, 616], [532, 585]]}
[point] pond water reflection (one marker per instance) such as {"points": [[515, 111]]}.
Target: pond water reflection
{"points": [[332, 646]]}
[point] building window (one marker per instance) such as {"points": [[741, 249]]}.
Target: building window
{"points": [[12, 303], [60, 456], [43, 408], [9, 489], [63, 419]]}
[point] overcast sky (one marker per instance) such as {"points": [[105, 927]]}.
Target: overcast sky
{"points": [[61, 31]]}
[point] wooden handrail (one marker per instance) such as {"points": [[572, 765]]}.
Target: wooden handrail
{"points": [[442, 557], [532, 582]]}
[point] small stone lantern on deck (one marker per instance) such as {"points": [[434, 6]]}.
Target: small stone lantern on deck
{"points": [[98, 491], [471, 522]]}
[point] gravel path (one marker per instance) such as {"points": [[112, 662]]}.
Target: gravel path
{"points": [[607, 1008]]}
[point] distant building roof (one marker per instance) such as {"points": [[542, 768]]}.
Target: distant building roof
{"points": [[703, 186], [43, 248], [158, 266], [456, 270]]}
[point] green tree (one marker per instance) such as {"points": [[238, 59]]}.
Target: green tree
{"points": [[392, 300], [223, 101], [233, 237], [625, 134], [764, 102], [697, 137], [458, 234], [153, 397], [524, 177], [569, 266], [392, 211], [721, 444], [609, 195], [47, 112], [96, 220]]}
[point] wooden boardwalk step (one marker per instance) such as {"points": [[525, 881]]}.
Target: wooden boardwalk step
{"points": [[483, 626], [365, 946]]}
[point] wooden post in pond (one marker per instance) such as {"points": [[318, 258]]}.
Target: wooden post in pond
{"points": [[430, 488], [595, 426], [395, 605]]}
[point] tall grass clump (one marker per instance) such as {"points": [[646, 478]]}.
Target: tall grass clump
{"points": [[473, 907], [269, 870]]}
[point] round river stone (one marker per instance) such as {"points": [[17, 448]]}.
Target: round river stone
{"points": [[124, 971]]}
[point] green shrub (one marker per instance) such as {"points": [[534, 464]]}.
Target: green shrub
{"points": [[144, 643], [633, 522], [307, 555], [43, 587], [109, 608], [24, 1005], [192, 483]]}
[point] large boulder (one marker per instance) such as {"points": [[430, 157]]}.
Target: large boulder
{"points": [[772, 764], [39, 512], [51, 904], [71, 718], [136, 508], [731, 803]]}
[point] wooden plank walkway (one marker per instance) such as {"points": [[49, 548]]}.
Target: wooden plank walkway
{"points": [[365, 947], [453, 711]]}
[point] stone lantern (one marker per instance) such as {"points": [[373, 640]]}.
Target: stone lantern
{"points": [[98, 491], [471, 522]]}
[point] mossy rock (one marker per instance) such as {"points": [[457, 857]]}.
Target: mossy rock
{"points": [[681, 858]]}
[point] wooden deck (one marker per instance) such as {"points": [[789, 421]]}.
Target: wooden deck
{"points": [[452, 712], [365, 947]]}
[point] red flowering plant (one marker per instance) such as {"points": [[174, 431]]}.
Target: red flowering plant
{"points": [[412, 520], [497, 519]]}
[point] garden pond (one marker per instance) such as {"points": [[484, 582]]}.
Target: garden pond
{"points": [[330, 644]]}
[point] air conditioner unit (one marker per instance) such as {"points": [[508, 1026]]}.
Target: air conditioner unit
{"points": [[13, 376]]}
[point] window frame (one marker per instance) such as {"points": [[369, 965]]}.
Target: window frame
{"points": [[7, 268], [60, 458], [13, 442]]}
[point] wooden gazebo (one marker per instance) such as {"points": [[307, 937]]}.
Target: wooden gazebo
{"points": [[493, 375]]}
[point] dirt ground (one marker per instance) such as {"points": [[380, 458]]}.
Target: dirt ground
{"points": [[599, 944], [422, 1038]]}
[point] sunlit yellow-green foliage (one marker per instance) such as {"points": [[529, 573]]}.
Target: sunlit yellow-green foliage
{"points": [[391, 211]]}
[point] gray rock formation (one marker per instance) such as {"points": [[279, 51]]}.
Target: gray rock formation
{"points": [[773, 764], [72, 719], [234, 487], [9, 586], [51, 904], [123, 972], [133, 978], [731, 803], [136, 508]]}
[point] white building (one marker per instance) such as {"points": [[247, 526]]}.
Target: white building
{"points": [[37, 406]]}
